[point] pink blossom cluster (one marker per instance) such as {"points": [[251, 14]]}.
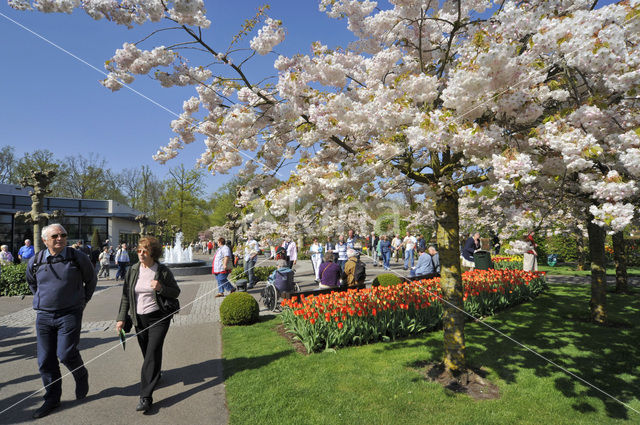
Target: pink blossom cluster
{"points": [[269, 36]]}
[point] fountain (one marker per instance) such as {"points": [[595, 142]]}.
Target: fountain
{"points": [[181, 261], [175, 254]]}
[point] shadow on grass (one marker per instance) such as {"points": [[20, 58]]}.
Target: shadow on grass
{"points": [[556, 326], [234, 365]]}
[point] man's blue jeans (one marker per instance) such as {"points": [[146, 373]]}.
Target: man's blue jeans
{"points": [[122, 269], [408, 257], [58, 335], [341, 263], [223, 283], [248, 269]]}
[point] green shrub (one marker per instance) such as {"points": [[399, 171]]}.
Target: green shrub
{"points": [[387, 279], [236, 273], [239, 308], [261, 273], [304, 256], [13, 280], [507, 265]]}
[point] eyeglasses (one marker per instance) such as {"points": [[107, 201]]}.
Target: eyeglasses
{"points": [[58, 235], [140, 251]]}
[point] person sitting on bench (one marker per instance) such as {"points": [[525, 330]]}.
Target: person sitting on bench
{"points": [[354, 273], [425, 268], [329, 272]]}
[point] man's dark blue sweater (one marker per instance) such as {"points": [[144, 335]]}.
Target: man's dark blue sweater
{"points": [[62, 282]]}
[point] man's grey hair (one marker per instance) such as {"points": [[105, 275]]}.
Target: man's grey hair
{"points": [[47, 229], [27, 240]]}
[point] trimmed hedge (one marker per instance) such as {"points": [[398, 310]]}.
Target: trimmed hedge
{"points": [[387, 279], [239, 308], [261, 273], [13, 280]]}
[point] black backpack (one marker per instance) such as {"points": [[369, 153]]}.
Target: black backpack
{"points": [[360, 272]]}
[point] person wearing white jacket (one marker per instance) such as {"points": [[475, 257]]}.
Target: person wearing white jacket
{"points": [[315, 250]]}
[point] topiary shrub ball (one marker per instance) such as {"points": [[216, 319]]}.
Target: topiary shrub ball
{"points": [[387, 279], [239, 308]]}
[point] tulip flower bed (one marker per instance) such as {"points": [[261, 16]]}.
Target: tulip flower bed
{"points": [[359, 317], [507, 263]]}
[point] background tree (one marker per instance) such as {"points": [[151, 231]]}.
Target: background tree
{"points": [[96, 240], [90, 178], [7, 164], [143, 190], [40, 159], [185, 209], [223, 201]]}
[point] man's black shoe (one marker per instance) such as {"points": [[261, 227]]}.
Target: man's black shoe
{"points": [[82, 387], [45, 409], [144, 405]]}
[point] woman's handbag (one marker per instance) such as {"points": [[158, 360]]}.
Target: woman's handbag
{"points": [[128, 324], [168, 305]]}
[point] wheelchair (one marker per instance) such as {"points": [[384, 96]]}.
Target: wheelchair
{"points": [[271, 294]]}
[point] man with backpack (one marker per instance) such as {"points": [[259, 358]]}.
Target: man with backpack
{"points": [[355, 271], [62, 281]]}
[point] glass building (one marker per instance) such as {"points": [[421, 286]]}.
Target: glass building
{"points": [[114, 221]]}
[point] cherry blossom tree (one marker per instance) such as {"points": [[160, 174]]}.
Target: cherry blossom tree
{"points": [[431, 96]]}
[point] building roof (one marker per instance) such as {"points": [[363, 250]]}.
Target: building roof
{"points": [[14, 198]]}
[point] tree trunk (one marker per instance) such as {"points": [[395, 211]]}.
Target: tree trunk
{"points": [[598, 302], [620, 259], [580, 246], [448, 231], [37, 237]]}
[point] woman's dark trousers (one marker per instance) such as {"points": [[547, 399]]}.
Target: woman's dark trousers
{"points": [[151, 331]]}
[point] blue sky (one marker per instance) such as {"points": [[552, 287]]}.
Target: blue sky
{"points": [[49, 100]]}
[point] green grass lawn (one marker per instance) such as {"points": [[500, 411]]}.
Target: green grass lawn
{"points": [[267, 382], [572, 271]]}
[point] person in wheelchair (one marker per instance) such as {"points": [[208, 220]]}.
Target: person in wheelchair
{"points": [[280, 283]]}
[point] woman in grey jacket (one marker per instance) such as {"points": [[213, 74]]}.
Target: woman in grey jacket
{"points": [[145, 284]]}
